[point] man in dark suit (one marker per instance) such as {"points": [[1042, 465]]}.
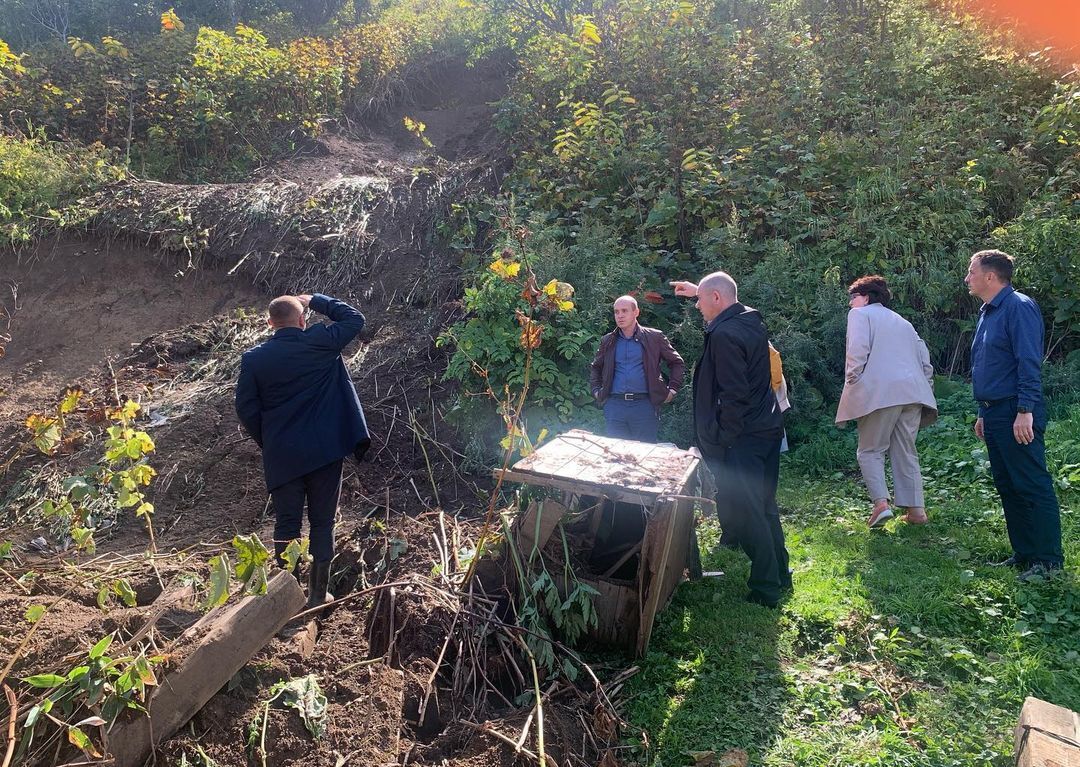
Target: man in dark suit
{"points": [[738, 428], [296, 400], [1006, 379]]}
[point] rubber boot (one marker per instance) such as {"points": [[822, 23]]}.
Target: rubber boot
{"points": [[318, 580]]}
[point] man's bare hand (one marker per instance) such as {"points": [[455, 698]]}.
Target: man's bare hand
{"points": [[670, 396], [1024, 428], [304, 299], [979, 429], [684, 289]]}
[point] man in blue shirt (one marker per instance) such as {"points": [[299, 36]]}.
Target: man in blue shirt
{"points": [[1006, 379], [295, 398], [625, 375]]}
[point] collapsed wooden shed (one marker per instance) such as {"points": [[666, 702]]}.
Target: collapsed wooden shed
{"points": [[628, 509]]}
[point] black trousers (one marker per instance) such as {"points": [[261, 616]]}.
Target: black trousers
{"points": [[746, 478], [321, 489], [1032, 515]]}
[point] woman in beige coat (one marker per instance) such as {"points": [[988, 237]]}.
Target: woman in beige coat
{"points": [[888, 391]]}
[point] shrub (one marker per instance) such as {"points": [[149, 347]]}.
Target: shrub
{"points": [[38, 178]]}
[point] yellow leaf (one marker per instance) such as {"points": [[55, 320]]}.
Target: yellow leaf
{"points": [[589, 34], [551, 287], [70, 400], [506, 269], [565, 306]]}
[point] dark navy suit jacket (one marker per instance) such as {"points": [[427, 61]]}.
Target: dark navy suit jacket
{"points": [[295, 398], [1007, 351]]}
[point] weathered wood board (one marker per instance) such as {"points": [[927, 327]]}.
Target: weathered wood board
{"points": [[1047, 735], [621, 469]]}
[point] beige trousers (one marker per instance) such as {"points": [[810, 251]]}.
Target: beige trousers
{"points": [[892, 430]]}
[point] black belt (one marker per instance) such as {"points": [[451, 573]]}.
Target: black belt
{"points": [[987, 403], [629, 396]]}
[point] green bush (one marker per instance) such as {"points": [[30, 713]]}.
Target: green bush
{"points": [[38, 179], [203, 104]]}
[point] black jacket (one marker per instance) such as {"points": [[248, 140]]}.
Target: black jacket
{"points": [[733, 394], [296, 399]]}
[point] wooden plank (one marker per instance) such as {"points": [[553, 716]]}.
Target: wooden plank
{"points": [[549, 458], [615, 493], [210, 653], [654, 559], [1047, 736], [548, 513]]}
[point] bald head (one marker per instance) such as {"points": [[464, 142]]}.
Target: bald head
{"points": [[626, 314], [715, 293], [285, 312], [722, 283]]}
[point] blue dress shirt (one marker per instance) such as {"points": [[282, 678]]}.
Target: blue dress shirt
{"points": [[629, 377], [1007, 351]]}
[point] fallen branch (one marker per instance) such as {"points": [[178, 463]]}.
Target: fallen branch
{"points": [[488, 729], [13, 704]]}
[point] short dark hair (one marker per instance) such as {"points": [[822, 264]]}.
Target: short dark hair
{"points": [[998, 262], [284, 309], [874, 287]]}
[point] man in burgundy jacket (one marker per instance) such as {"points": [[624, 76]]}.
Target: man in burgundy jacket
{"points": [[625, 377]]}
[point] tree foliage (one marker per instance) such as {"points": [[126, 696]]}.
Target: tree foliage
{"points": [[797, 145]]}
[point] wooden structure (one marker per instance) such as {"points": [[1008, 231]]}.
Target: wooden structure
{"points": [[1047, 736], [632, 507]]}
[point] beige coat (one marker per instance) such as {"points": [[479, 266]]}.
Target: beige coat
{"points": [[887, 364]]}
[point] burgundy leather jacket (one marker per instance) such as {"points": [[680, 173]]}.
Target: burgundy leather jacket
{"points": [[655, 347]]}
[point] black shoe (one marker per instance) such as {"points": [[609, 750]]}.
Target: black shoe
{"points": [[1012, 561], [318, 580], [1040, 570], [786, 583], [759, 599]]}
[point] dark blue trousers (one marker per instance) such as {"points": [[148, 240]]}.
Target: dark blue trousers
{"points": [[634, 419], [1032, 515], [746, 478], [321, 489]]}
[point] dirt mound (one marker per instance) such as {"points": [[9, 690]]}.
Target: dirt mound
{"points": [[455, 102], [69, 303]]}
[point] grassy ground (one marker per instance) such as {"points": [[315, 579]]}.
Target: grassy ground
{"points": [[898, 647]]}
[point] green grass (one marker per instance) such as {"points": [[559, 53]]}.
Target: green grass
{"points": [[898, 647]]}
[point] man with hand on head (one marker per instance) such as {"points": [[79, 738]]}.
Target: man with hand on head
{"points": [[738, 427], [625, 375], [1006, 379], [295, 398]]}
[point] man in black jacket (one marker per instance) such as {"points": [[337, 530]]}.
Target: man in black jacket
{"points": [[738, 427], [295, 398]]}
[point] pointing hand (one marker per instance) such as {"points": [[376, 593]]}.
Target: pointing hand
{"points": [[685, 289]]}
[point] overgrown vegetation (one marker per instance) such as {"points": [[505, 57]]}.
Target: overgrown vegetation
{"points": [[797, 146], [195, 102], [39, 178]]}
